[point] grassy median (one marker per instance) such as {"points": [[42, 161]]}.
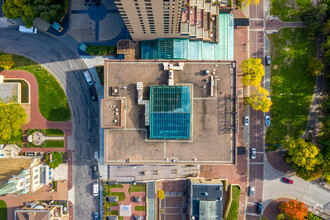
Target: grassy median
{"points": [[289, 10], [233, 210]]}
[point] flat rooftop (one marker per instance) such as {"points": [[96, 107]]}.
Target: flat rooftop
{"points": [[212, 136], [111, 111]]}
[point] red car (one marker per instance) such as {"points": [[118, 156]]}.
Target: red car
{"points": [[286, 180]]}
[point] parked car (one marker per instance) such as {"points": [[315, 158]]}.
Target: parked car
{"points": [[96, 216], [246, 120], [268, 60], [259, 207], [95, 189], [92, 91], [286, 180], [95, 172], [267, 120], [251, 190], [253, 153], [206, 72], [88, 78]]}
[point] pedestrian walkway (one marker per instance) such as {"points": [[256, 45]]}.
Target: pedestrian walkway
{"points": [[277, 24]]}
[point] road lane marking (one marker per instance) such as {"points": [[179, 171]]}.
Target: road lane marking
{"points": [[256, 162], [256, 19], [256, 29], [248, 213]]}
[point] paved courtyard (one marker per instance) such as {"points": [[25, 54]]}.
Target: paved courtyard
{"points": [[94, 24]]}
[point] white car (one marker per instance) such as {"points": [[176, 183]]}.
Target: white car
{"points": [[253, 153], [267, 120], [246, 120], [251, 190]]}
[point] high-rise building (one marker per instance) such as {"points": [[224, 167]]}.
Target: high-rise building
{"points": [[154, 19]]}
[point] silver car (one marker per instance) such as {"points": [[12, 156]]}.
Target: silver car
{"points": [[246, 120], [251, 190], [268, 60]]}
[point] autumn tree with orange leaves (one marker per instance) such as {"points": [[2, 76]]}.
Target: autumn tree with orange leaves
{"points": [[294, 210]]}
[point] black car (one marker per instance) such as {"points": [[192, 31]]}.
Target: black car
{"points": [[92, 91], [95, 172], [259, 207]]}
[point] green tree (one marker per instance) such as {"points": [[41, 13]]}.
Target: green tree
{"points": [[305, 157], [315, 67], [6, 61], [12, 117], [54, 159], [258, 99], [311, 216], [253, 71]]}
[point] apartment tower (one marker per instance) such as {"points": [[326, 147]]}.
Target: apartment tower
{"points": [[151, 19]]}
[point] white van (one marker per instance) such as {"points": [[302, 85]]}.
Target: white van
{"points": [[95, 189], [31, 30], [88, 78]]}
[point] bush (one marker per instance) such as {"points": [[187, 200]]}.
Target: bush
{"points": [[100, 50]]}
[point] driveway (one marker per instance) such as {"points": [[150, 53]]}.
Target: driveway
{"points": [[302, 190], [67, 68]]}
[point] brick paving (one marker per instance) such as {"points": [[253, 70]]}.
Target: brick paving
{"points": [[37, 121], [13, 202]]}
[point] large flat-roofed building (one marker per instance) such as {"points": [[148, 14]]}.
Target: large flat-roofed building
{"points": [[171, 112]]}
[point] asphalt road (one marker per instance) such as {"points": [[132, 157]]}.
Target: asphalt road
{"points": [[67, 68]]}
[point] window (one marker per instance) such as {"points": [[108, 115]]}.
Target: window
{"points": [[36, 183], [36, 177]]}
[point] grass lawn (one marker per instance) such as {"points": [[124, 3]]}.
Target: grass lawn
{"points": [[100, 73], [120, 217], [289, 10], [18, 139], [3, 210], [140, 208], [233, 210], [121, 195], [54, 143], [290, 51], [53, 103], [137, 188], [54, 132]]}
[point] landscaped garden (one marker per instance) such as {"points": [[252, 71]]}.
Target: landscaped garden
{"points": [[3, 210], [137, 188], [233, 210], [48, 138], [53, 103], [291, 85], [289, 10]]}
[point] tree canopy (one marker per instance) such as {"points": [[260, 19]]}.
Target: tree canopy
{"points": [[55, 160], [294, 210], [305, 157], [28, 10], [258, 99], [6, 61], [253, 71], [12, 117], [315, 67]]}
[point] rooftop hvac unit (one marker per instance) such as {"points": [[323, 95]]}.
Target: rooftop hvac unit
{"points": [[115, 121], [116, 113]]}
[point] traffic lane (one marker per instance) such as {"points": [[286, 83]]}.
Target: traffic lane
{"points": [[256, 24], [251, 211], [257, 44], [256, 180], [257, 11], [252, 217], [259, 158]]}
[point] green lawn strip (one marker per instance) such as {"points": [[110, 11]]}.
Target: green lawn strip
{"points": [[233, 210], [120, 217], [137, 188], [53, 103], [121, 195], [17, 139], [114, 203], [114, 212], [54, 132], [54, 143], [3, 210], [289, 10], [140, 208], [290, 51]]}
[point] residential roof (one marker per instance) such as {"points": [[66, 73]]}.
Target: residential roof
{"points": [[32, 215], [207, 201]]}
